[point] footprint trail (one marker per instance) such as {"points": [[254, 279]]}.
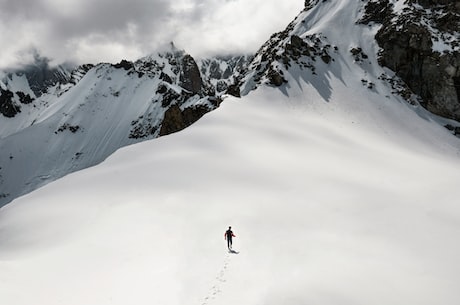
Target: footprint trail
{"points": [[216, 289]]}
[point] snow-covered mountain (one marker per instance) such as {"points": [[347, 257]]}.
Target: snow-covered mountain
{"points": [[403, 49], [340, 186], [87, 114], [417, 40]]}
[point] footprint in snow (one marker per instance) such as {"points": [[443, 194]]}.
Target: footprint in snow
{"points": [[216, 289]]}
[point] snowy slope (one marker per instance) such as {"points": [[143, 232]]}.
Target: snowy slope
{"points": [[329, 206]]}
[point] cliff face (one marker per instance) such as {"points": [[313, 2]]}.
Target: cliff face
{"points": [[420, 42]]}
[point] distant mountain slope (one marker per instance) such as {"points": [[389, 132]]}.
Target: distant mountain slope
{"points": [[80, 121]]}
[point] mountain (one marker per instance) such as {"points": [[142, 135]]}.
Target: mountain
{"points": [[416, 50], [79, 119], [406, 50]]}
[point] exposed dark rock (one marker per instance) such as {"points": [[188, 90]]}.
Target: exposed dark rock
{"points": [[128, 66], [24, 98], [66, 126], [124, 64], [173, 121], [311, 3], [8, 107], [192, 114], [407, 49], [80, 72], [170, 96], [165, 77], [190, 77], [215, 101], [297, 42], [451, 4], [275, 78], [234, 90], [221, 72], [143, 128], [358, 54], [216, 73], [377, 11], [454, 129], [162, 89], [326, 58]]}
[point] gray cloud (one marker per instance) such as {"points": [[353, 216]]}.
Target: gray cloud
{"points": [[109, 30]]}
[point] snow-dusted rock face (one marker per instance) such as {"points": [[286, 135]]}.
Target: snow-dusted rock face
{"points": [[417, 40], [285, 50], [420, 41], [224, 71], [78, 121]]}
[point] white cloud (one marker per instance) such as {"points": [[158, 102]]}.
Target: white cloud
{"points": [[110, 30], [237, 25]]}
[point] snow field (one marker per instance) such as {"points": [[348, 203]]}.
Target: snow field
{"points": [[324, 210]]}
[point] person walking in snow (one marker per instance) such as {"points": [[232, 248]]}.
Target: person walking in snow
{"points": [[228, 236]]}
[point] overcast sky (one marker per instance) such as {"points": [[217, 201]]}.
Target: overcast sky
{"points": [[92, 31]]}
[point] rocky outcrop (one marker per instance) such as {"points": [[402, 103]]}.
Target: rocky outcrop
{"points": [[190, 77], [172, 121], [421, 44], [176, 119], [8, 106], [24, 98], [124, 64], [310, 3], [282, 51], [224, 71], [182, 96]]}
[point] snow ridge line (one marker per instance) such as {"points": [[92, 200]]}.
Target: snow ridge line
{"points": [[219, 280]]}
